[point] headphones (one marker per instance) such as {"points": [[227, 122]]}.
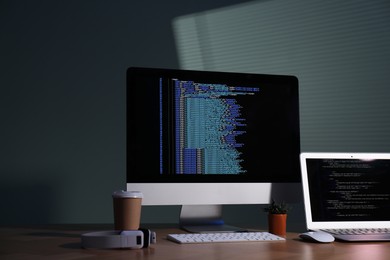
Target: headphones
{"points": [[130, 239]]}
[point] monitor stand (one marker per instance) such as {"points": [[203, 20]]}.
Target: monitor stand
{"points": [[204, 219]]}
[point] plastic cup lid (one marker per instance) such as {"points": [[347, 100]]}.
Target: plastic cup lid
{"points": [[127, 194]]}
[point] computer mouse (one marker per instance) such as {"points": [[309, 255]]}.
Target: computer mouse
{"points": [[317, 236]]}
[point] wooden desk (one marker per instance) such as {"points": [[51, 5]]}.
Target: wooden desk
{"points": [[63, 242]]}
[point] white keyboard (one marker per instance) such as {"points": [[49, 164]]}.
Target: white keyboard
{"points": [[190, 238], [359, 231]]}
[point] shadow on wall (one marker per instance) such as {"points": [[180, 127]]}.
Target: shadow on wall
{"points": [[288, 192], [26, 203]]}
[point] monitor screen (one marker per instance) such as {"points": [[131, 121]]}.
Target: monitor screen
{"points": [[195, 135]]}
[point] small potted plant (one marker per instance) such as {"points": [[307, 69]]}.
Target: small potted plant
{"points": [[277, 217]]}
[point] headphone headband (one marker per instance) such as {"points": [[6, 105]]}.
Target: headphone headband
{"points": [[131, 239]]}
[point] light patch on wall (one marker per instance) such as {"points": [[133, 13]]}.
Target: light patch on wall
{"points": [[340, 51]]}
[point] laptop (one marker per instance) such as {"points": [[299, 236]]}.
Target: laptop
{"points": [[347, 194]]}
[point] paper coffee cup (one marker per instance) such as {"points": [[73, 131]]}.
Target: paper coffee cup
{"points": [[127, 209]]}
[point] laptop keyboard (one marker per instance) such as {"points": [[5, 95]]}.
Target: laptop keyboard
{"points": [[189, 238], [358, 231]]}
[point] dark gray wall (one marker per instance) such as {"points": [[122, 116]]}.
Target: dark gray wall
{"points": [[62, 101]]}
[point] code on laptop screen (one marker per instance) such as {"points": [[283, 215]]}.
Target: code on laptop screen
{"points": [[349, 189]]}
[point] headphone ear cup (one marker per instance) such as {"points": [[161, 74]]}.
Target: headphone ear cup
{"points": [[146, 233]]}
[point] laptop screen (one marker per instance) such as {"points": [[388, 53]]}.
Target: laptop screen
{"points": [[346, 188], [349, 189]]}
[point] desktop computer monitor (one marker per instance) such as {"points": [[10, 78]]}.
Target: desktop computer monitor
{"points": [[204, 138]]}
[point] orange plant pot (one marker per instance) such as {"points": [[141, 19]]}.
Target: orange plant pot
{"points": [[277, 224]]}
